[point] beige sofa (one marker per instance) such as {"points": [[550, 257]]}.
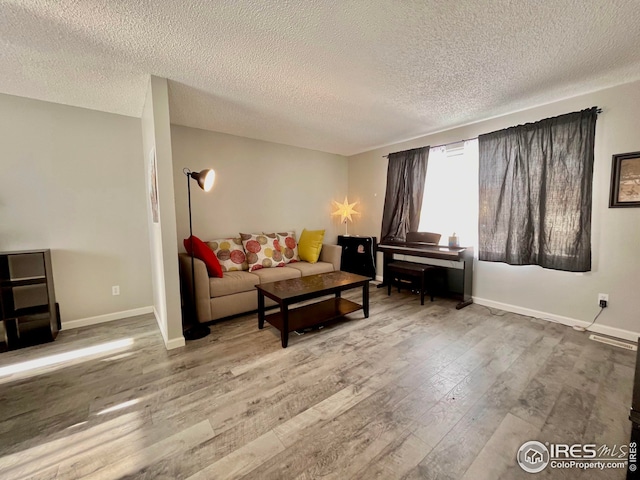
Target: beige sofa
{"points": [[235, 292]]}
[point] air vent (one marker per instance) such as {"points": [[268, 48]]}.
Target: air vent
{"points": [[455, 149], [615, 343]]}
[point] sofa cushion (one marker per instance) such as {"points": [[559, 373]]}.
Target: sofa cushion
{"points": [[202, 251], [268, 275], [230, 254], [288, 246], [310, 245], [232, 282], [306, 268], [263, 250]]}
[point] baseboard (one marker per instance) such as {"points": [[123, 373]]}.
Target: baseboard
{"points": [[109, 317], [379, 278], [570, 322], [175, 343], [172, 343]]}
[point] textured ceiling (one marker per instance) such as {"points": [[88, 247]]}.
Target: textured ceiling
{"points": [[333, 75]]}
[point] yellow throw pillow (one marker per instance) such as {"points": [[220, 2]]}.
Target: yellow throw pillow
{"points": [[310, 245]]}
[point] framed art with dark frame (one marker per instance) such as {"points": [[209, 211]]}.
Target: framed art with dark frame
{"points": [[625, 180]]}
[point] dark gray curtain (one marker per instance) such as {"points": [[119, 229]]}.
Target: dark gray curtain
{"points": [[535, 193], [406, 175]]}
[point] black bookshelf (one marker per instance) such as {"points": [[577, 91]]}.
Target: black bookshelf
{"points": [[29, 313]]}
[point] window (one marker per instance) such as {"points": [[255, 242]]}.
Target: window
{"points": [[450, 201]]}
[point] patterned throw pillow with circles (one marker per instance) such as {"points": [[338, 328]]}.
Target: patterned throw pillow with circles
{"points": [[230, 254], [263, 250], [288, 246]]}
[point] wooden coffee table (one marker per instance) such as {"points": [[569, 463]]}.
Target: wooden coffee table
{"points": [[287, 292]]}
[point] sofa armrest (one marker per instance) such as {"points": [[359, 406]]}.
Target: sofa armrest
{"points": [[203, 303], [331, 254]]}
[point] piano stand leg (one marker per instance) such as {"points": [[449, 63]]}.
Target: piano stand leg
{"points": [[464, 304]]}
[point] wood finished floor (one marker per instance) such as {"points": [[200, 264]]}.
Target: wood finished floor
{"points": [[412, 392]]}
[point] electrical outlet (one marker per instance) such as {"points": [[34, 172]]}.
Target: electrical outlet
{"points": [[603, 300], [115, 290]]}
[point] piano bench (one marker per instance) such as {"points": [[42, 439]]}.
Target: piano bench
{"points": [[410, 271]]}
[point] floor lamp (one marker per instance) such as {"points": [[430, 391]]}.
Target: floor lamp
{"points": [[205, 180]]}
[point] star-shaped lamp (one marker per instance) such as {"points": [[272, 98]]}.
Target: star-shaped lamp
{"points": [[345, 210]]}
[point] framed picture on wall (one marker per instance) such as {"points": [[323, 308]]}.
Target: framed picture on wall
{"points": [[153, 186], [625, 180]]}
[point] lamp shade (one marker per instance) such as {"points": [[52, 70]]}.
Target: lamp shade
{"points": [[205, 178], [345, 210]]}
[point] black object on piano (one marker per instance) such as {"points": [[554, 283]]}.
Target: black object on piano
{"points": [[358, 255], [423, 237]]}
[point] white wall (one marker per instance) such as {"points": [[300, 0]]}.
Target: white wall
{"points": [[164, 252], [71, 180], [615, 232], [260, 186]]}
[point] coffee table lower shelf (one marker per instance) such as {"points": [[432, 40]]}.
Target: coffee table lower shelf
{"points": [[313, 314]]}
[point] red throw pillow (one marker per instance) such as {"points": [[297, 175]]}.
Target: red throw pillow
{"points": [[202, 251]]}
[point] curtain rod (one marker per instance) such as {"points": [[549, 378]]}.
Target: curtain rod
{"points": [[443, 145], [599, 110]]}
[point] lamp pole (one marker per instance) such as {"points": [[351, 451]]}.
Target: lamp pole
{"points": [[193, 267]]}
